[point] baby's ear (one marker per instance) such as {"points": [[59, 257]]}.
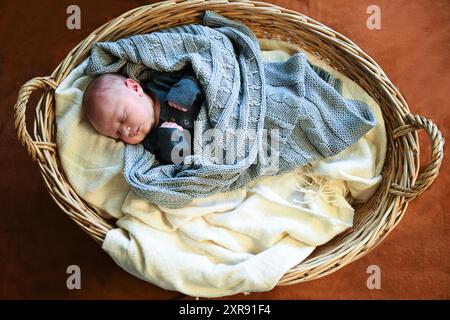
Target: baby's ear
{"points": [[133, 85]]}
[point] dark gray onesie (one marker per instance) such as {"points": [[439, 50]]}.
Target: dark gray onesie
{"points": [[183, 88]]}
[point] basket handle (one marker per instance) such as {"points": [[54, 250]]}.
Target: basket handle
{"points": [[33, 147], [426, 178]]}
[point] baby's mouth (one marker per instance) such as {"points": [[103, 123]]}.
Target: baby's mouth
{"points": [[136, 131]]}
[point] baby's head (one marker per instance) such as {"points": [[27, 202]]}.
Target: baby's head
{"points": [[117, 107]]}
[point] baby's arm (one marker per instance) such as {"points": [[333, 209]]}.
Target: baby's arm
{"points": [[185, 92]]}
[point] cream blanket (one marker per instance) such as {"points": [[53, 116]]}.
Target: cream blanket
{"points": [[239, 241]]}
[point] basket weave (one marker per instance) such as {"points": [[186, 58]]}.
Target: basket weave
{"points": [[373, 221]]}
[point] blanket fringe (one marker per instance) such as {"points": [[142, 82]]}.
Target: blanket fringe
{"points": [[316, 186]]}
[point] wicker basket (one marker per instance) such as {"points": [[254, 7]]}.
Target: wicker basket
{"points": [[373, 220]]}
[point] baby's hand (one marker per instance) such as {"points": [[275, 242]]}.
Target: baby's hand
{"points": [[177, 106], [171, 125]]}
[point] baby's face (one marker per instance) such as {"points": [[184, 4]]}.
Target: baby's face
{"points": [[127, 113]]}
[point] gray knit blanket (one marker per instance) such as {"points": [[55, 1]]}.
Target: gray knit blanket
{"points": [[258, 118]]}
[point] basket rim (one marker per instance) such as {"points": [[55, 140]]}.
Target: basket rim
{"points": [[401, 179]]}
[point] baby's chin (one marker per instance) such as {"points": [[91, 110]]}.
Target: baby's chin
{"points": [[134, 140]]}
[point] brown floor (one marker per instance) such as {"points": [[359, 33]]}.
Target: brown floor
{"points": [[38, 242]]}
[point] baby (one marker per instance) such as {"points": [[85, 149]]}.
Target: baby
{"points": [[160, 113]]}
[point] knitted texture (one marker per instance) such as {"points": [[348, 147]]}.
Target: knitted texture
{"points": [[258, 118]]}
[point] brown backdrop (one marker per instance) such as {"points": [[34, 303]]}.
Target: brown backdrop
{"points": [[38, 242]]}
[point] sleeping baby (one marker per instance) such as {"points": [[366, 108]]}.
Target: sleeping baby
{"points": [[160, 113]]}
